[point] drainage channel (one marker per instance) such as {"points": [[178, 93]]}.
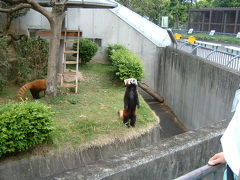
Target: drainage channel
{"points": [[170, 125]]}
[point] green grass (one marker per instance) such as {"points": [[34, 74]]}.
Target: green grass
{"points": [[90, 117], [216, 38]]}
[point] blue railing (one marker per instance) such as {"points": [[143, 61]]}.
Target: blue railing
{"points": [[205, 172]]}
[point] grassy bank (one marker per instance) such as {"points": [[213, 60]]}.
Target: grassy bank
{"points": [[216, 38], [90, 117]]}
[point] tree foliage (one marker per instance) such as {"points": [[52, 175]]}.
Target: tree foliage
{"points": [[55, 17], [226, 3], [31, 67], [203, 4], [11, 15], [176, 10]]}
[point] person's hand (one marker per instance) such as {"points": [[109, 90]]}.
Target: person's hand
{"points": [[217, 159]]}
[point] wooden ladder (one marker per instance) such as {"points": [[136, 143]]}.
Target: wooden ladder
{"points": [[69, 77]]}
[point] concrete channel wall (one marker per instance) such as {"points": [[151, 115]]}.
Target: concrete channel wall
{"points": [[172, 158], [199, 92]]}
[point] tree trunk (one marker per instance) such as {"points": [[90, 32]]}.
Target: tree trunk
{"points": [[56, 29]]}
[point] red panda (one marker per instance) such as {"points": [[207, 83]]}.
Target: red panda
{"points": [[35, 87], [131, 101]]}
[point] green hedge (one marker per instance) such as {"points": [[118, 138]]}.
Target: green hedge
{"points": [[87, 50], [127, 64], [24, 125], [33, 58], [112, 48]]}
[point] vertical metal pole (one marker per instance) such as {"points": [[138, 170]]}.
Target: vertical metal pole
{"points": [[225, 21], [210, 20], [78, 39], [236, 20], [203, 20]]}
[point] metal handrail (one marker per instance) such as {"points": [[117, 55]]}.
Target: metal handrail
{"points": [[209, 54], [231, 60], [201, 173], [185, 43], [195, 48]]}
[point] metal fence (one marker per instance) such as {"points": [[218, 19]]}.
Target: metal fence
{"points": [[205, 173], [212, 54]]}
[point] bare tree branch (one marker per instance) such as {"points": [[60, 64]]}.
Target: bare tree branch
{"points": [[16, 8], [37, 7], [21, 4]]}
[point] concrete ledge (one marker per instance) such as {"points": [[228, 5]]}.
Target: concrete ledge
{"points": [[168, 159]]}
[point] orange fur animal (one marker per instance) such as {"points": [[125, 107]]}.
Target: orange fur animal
{"points": [[35, 87]]}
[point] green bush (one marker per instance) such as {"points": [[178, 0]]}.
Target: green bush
{"points": [[24, 125], [112, 48], [33, 58], [87, 50], [4, 65], [127, 64]]}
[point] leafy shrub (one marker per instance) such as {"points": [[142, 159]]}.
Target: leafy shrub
{"points": [[112, 48], [23, 125], [87, 50], [4, 65], [33, 59], [127, 64]]}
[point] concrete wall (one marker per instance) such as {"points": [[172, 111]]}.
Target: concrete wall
{"points": [[169, 159], [198, 92]]}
